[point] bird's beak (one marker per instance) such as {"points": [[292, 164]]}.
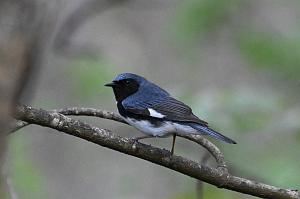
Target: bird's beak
{"points": [[112, 84]]}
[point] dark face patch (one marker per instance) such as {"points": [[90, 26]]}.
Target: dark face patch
{"points": [[125, 88]]}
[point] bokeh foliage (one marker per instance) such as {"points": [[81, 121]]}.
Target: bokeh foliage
{"points": [[250, 111], [28, 180], [196, 18], [90, 75], [255, 117], [273, 53]]}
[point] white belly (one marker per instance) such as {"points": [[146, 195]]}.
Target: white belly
{"points": [[167, 128]]}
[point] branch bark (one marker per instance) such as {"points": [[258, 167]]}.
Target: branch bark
{"points": [[200, 184], [158, 156], [212, 149]]}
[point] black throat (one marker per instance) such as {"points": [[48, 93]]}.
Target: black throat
{"points": [[123, 89]]}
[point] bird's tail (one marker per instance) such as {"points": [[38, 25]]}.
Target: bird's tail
{"points": [[208, 131]]}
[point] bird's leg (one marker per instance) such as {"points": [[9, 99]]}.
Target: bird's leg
{"points": [[141, 137], [173, 144]]}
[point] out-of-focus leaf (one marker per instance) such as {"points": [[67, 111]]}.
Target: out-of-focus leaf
{"points": [[209, 191], [27, 179], [272, 52], [89, 76], [186, 195], [213, 192], [244, 111], [298, 135], [196, 17]]}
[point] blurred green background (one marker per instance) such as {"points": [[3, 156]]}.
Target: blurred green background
{"points": [[236, 62]]}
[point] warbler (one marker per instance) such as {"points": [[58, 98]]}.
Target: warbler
{"points": [[154, 112]]}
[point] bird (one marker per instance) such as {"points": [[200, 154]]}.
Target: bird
{"points": [[153, 111]]}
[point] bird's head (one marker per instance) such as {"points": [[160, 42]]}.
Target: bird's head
{"points": [[125, 85]]}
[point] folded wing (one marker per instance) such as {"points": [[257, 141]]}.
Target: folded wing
{"points": [[167, 108]]}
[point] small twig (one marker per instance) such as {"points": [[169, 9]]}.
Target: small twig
{"points": [[16, 125], [91, 112], [212, 149]]}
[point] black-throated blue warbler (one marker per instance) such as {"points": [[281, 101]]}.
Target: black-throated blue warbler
{"points": [[154, 112]]}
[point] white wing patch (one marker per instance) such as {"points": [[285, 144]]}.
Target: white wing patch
{"points": [[154, 113]]}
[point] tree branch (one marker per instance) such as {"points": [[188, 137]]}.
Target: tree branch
{"points": [[200, 184], [215, 151], [158, 156]]}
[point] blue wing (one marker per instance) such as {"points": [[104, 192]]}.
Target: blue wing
{"points": [[165, 107]]}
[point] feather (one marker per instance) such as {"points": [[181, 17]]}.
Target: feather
{"points": [[170, 108], [208, 131]]}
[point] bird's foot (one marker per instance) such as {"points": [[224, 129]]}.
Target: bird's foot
{"points": [[136, 139]]}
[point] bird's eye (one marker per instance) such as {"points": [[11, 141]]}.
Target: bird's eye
{"points": [[127, 82]]}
